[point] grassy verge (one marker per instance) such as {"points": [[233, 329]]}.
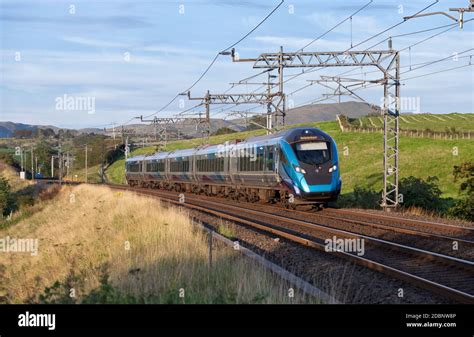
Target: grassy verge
{"points": [[116, 247]]}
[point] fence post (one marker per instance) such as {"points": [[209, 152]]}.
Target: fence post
{"points": [[210, 248]]}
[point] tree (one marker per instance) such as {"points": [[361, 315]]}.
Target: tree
{"points": [[23, 133], [7, 201], [465, 172], [223, 131], [464, 208], [43, 152], [420, 193]]}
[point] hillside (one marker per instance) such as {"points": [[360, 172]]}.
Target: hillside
{"points": [[361, 157], [310, 113], [454, 122], [304, 114], [8, 128]]}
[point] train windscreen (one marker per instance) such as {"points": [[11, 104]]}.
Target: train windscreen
{"points": [[313, 153]]}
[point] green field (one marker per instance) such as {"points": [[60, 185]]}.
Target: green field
{"points": [[361, 157], [421, 122]]}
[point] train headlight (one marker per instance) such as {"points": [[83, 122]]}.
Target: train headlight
{"points": [[299, 169], [333, 169]]}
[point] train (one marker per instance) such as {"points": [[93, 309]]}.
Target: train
{"points": [[297, 166]]}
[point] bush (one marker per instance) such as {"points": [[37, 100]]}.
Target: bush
{"points": [[464, 208], [367, 198], [223, 131], [417, 192], [361, 198], [105, 293], [7, 201]]}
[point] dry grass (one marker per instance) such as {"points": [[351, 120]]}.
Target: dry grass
{"points": [[86, 229], [13, 177]]}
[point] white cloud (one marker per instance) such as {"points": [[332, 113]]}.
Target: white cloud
{"points": [[360, 23], [94, 43], [296, 43]]}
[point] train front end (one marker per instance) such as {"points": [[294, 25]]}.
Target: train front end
{"points": [[309, 159]]}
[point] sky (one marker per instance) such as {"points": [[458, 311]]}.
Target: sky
{"points": [[80, 63]]}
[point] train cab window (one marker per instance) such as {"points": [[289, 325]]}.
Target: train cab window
{"points": [[282, 156], [314, 153]]}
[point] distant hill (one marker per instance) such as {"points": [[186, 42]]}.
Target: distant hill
{"points": [[327, 112], [305, 114], [8, 128]]}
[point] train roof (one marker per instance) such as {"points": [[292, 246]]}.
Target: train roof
{"points": [[157, 155], [207, 149], [290, 135], [181, 153], [140, 157]]}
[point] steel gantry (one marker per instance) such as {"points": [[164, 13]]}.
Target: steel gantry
{"points": [[387, 61], [271, 100]]}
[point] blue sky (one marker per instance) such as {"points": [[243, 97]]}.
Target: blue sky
{"points": [[83, 54]]}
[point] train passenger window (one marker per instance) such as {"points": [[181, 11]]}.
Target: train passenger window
{"points": [[134, 166], [270, 160], [260, 162], [160, 165]]}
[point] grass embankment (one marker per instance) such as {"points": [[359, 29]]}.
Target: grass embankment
{"points": [[13, 177], [117, 247], [361, 157]]}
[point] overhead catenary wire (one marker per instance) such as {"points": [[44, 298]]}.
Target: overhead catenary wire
{"points": [[310, 43], [451, 26], [215, 59], [352, 46], [364, 41]]}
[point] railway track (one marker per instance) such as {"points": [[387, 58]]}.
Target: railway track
{"points": [[404, 222], [415, 237], [444, 275]]}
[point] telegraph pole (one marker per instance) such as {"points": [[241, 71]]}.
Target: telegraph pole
{"points": [[21, 159], [60, 165], [204, 124], [127, 149], [67, 164], [102, 163], [86, 164], [32, 166]]}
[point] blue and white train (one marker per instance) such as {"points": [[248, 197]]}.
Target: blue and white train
{"points": [[296, 166]]}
